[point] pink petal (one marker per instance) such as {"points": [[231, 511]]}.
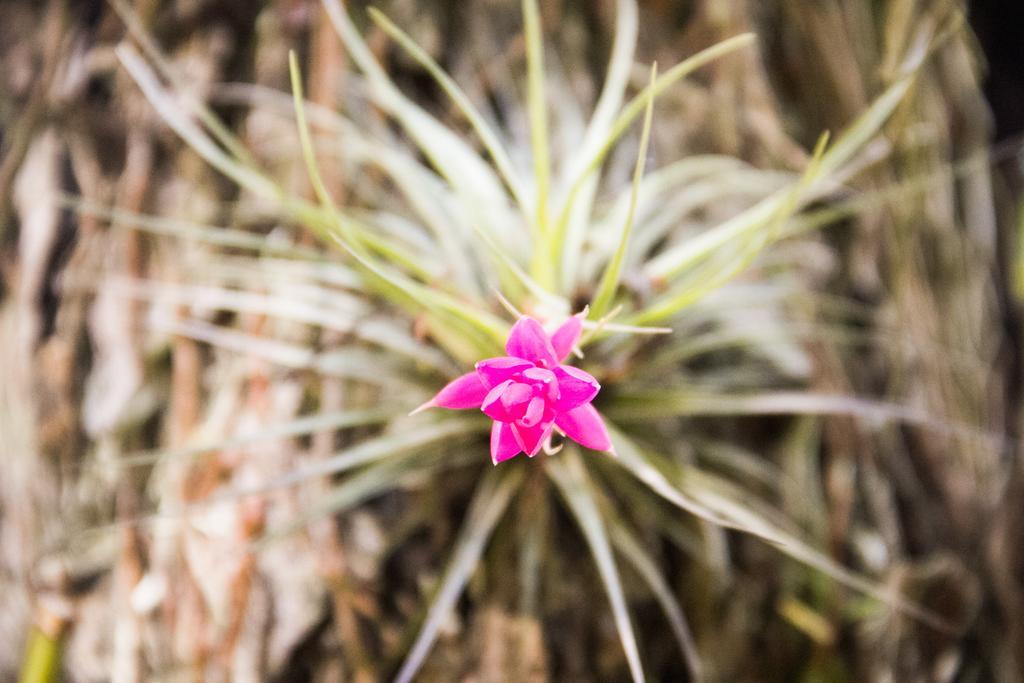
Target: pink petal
{"points": [[539, 375], [507, 401], [530, 439], [529, 340], [503, 443], [494, 371], [585, 426], [462, 393], [548, 382], [517, 396], [566, 336], [534, 412], [545, 377], [491, 404], [575, 387]]}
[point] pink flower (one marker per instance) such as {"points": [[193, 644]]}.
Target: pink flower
{"points": [[529, 393]]}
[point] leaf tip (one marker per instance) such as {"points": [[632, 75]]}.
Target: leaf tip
{"points": [[426, 406]]}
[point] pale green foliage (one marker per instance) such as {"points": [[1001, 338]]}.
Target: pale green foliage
{"points": [[472, 223]]}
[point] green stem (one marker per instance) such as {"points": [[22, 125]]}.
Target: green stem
{"points": [[42, 658]]}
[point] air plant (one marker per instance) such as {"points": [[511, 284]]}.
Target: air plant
{"points": [[448, 233]]}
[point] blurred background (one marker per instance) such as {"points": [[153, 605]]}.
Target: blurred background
{"points": [[87, 377]]}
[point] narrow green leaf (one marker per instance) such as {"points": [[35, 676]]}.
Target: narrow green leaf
{"points": [[567, 241], [719, 502], [370, 482], [349, 362], [636, 106], [655, 404], [180, 229], [473, 179], [489, 503], [431, 198], [626, 543], [675, 178], [534, 524], [631, 458], [308, 304], [479, 190], [674, 260], [610, 280], [483, 130], [484, 329], [615, 82], [169, 108], [217, 128], [537, 105], [350, 242], [374, 449], [735, 505], [290, 429], [569, 475], [713, 276]]}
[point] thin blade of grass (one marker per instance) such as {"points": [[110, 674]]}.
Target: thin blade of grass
{"points": [[487, 507], [569, 475]]}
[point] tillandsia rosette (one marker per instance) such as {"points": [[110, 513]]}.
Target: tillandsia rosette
{"points": [[475, 224]]}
